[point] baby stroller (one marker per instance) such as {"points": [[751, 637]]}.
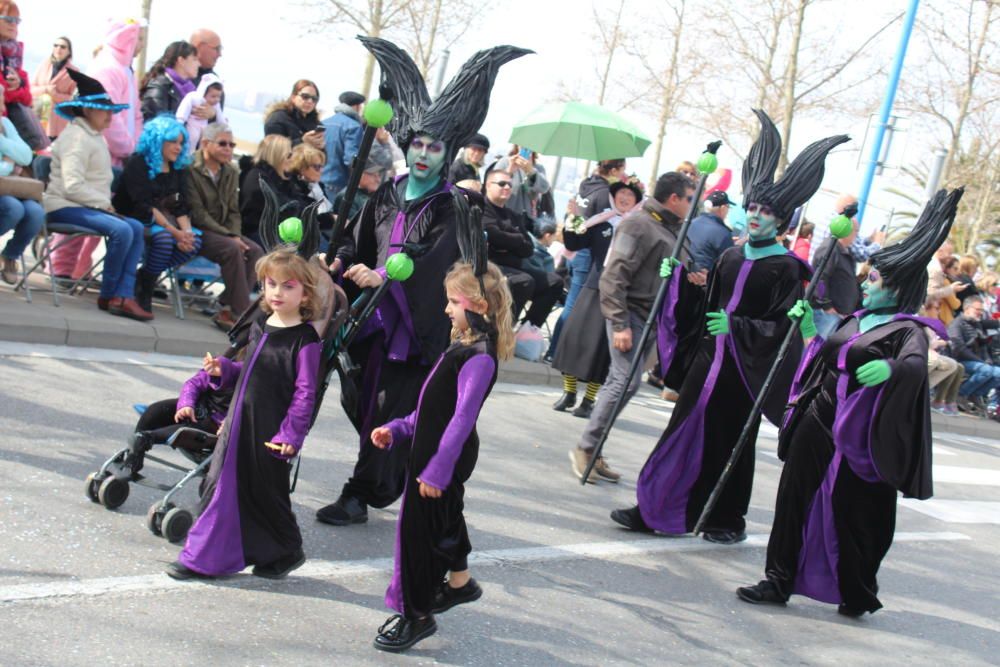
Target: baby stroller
{"points": [[109, 486]]}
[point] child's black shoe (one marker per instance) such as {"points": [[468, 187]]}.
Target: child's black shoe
{"points": [[447, 597], [399, 633], [181, 572], [282, 567]]}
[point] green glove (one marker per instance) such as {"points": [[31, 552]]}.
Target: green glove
{"points": [[874, 372], [803, 312], [718, 323], [667, 266]]}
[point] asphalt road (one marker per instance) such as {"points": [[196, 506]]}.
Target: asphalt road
{"points": [[81, 585]]}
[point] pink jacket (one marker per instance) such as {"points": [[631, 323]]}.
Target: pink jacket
{"points": [[113, 68], [59, 89]]}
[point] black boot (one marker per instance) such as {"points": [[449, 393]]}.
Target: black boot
{"points": [[345, 511], [139, 443], [764, 592], [565, 402], [400, 633], [584, 409], [144, 284], [631, 519]]}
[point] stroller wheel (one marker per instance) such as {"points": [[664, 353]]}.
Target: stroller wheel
{"points": [[154, 518], [176, 524], [112, 492], [92, 484]]}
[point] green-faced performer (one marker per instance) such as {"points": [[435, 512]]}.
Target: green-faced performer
{"points": [[413, 213], [858, 431]]}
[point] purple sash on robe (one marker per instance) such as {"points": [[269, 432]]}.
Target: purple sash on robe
{"points": [[666, 327], [666, 480]]}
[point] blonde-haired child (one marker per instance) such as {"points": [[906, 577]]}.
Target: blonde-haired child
{"points": [[248, 518], [431, 537]]}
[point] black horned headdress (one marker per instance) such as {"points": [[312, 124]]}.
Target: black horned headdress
{"points": [[457, 114], [903, 265], [801, 179], [274, 214]]}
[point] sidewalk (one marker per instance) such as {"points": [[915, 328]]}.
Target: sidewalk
{"points": [[77, 322]]}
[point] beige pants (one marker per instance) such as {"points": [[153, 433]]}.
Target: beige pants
{"points": [[945, 376]]}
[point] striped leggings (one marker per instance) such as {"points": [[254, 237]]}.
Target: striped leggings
{"points": [[162, 253]]}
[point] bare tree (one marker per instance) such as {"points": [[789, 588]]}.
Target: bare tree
{"points": [[954, 93], [140, 71], [435, 25]]}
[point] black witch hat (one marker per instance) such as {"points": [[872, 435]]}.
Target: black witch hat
{"points": [[456, 115], [274, 214], [800, 181], [903, 265]]}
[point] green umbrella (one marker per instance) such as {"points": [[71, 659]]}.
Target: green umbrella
{"points": [[576, 130]]}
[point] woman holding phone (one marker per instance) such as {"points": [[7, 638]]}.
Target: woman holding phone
{"points": [[528, 178], [297, 117]]}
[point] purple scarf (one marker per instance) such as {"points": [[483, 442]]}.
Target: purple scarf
{"points": [[183, 86]]}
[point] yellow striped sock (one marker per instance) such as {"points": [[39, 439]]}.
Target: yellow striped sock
{"points": [[569, 384], [592, 388]]}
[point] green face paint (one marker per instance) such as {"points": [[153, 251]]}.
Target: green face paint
{"points": [[876, 295], [761, 222], [425, 158]]}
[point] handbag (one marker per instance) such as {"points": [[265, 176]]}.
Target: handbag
{"points": [[28, 126], [20, 187]]}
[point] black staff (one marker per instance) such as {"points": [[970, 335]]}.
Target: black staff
{"points": [[709, 162], [841, 227], [377, 114]]}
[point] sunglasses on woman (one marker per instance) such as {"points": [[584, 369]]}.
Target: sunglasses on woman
{"points": [[309, 98], [11, 19]]}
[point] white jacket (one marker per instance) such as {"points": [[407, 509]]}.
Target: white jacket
{"points": [[81, 169]]}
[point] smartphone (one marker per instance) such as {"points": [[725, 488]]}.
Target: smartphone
{"points": [[320, 129], [525, 153]]}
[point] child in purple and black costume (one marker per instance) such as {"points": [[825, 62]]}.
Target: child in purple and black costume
{"points": [[431, 536], [248, 518]]}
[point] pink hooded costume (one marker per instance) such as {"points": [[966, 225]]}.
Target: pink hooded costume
{"points": [[113, 68]]}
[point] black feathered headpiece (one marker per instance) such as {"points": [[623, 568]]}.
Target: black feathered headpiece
{"points": [[456, 115], [800, 181], [274, 214], [903, 265]]}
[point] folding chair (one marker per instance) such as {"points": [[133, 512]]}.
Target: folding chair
{"points": [[43, 254], [198, 268]]}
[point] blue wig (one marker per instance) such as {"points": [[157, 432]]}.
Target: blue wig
{"points": [[154, 133]]}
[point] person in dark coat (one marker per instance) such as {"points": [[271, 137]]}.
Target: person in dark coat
{"points": [[857, 432], [466, 166], [169, 80], [153, 190], [750, 293], [414, 214], [595, 188], [270, 164], [296, 117], [709, 236]]}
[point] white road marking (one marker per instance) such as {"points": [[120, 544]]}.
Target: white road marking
{"points": [[325, 569], [960, 475], [956, 511], [126, 357]]}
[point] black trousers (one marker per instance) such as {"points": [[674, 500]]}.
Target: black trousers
{"points": [[158, 421], [543, 289]]}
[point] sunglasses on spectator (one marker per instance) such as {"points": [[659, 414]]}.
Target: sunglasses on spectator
{"points": [[225, 144], [763, 208], [59, 46], [11, 19], [309, 98], [502, 184]]}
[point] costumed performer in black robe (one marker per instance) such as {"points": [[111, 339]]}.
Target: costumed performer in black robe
{"points": [[584, 353], [248, 519], [857, 431], [750, 292], [412, 214], [431, 535]]}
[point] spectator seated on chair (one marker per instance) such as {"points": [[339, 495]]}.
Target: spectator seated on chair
{"points": [[212, 193], [152, 191], [79, 193], [970, 345], [22, 216]]}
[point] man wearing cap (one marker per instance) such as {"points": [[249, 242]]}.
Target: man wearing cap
{"points": [[709, 236], [466, 165], [343, 139]]}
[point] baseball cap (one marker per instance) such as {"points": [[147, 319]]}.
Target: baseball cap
{"points": [[719, 198]]}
